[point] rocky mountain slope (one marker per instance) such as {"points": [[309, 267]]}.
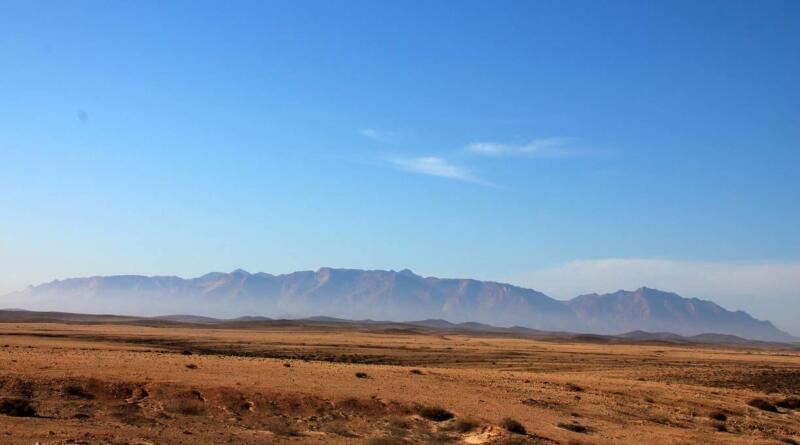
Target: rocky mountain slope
{"points": [[389, 295]]}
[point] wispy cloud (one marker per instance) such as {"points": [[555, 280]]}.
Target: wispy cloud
{"points": [[436, 166], [768, 290], [385, 136], [536, 147]]}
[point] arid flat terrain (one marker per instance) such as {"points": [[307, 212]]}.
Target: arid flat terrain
{"points": [[73, 383]]}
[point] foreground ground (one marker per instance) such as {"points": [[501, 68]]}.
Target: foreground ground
{"points": [[127, 384]]}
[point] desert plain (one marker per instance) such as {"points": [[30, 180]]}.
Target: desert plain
{"points": [[293, 382]]}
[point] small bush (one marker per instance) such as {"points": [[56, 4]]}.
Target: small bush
{"points": [[121, 390], [74, 390], [361, 375], [386, 440], [662, 420], [790, 403], [574, 387], [17, 408], [718, 415], [463, 425], [574, 427], [186, 352], [763, 405], [513, 426], [435, 413], [416, 371]]}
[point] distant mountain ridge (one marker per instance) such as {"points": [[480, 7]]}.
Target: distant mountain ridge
{"points": [[391, 295]]}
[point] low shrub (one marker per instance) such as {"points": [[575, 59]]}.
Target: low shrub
{"points": [[790, 403], [574, 427], [763, 405], [574, 387], [435, 413], [513, 426], [718, 415], [74, 390], [17, 408], [463, 425]]}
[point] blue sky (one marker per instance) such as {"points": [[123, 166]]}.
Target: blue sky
{"points": [[511, 141]]}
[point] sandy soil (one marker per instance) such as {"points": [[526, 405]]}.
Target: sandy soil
{"points": [[122, 384]]}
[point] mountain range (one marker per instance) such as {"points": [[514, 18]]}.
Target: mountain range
{"points": [[392, 296]]}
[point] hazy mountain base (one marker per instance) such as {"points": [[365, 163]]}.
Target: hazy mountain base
{"points": [[390, 295]]}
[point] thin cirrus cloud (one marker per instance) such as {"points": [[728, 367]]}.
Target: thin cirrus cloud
{"points": [[536, 147], [384, 136], [436, 166]]}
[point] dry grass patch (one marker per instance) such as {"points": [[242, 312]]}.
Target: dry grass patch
{"points": [[386, 440], [186, 407], [282, 427], [403, 423], [437, 437], [515, 440], [75, 390], [339, 427], [130, 414]]}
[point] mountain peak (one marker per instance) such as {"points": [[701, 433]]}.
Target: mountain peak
{"points": [[382, 295]]}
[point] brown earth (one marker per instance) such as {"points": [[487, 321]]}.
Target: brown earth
{"points": [[295, 383]]}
